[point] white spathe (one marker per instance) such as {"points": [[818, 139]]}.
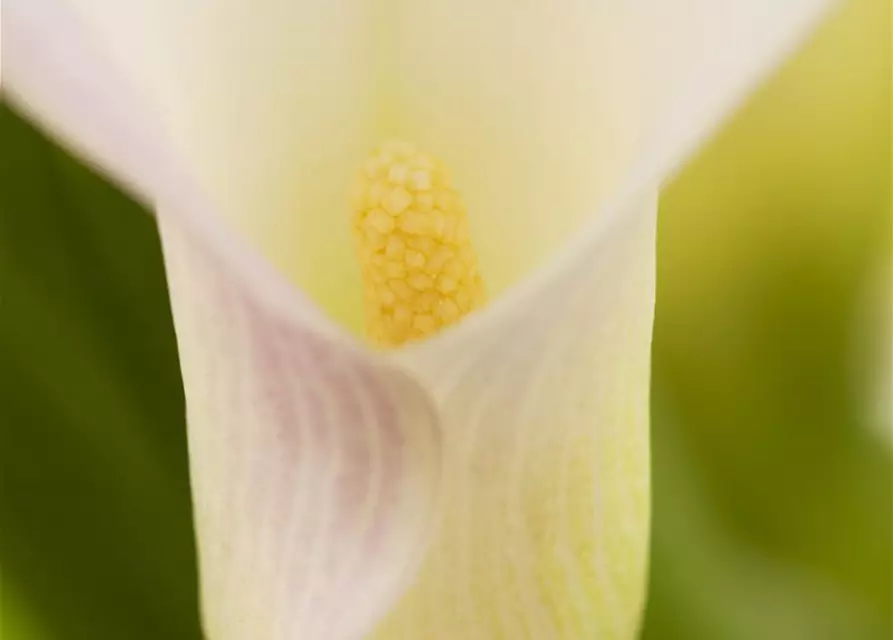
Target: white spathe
{"points": [[501, 467]]}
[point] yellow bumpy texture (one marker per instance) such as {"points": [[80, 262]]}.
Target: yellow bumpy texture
{"points": [[420, 273]]}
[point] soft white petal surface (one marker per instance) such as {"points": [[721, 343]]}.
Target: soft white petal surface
{"points": [[542, 109], [271, 105], [545, 420], [544, 394], [54, 73], [315, 466], [314, 470], [537, 107]]}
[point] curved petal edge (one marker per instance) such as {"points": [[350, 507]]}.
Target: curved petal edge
{"points": [[546, 457], [316, 470]]}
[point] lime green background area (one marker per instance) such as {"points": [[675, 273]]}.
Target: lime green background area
{"points": [[773, 488]]}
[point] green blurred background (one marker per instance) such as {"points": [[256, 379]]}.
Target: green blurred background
{"points": [[773, 494]]}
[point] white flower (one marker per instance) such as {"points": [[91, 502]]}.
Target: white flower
{"points": [[492, 481]]}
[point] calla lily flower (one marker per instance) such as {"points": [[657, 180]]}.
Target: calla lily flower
{"points": [[490, 481]]}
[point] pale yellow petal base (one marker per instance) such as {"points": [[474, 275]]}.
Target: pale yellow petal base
{"points": [[545, 529]]}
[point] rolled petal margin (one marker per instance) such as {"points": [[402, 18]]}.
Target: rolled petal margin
{"points": [[492, 482]]}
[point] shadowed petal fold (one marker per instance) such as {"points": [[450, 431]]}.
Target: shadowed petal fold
{"points": [[315, 469]]}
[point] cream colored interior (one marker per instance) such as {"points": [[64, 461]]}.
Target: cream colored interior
{"points": [[537, 108]]}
